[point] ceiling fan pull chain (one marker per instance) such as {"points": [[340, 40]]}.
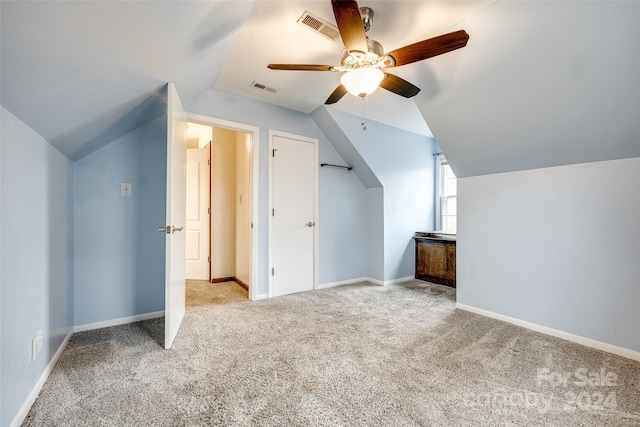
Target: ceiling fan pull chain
{"points": [[364, 125]]}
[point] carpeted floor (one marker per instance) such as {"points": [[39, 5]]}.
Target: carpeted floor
{"points": [[203, 293], [355, 355]]}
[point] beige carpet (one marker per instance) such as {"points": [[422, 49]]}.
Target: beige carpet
{"points": [[356, 355], [203, 293]]}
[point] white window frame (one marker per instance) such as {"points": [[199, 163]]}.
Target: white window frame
{"points": [[440, 162]]}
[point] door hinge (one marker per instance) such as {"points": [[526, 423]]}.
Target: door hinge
{"points": [[208, 162], [208, 259], [273, 212], [209, 211], [273, 271], [273, 152]]}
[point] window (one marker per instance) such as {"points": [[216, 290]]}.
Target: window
{"points": [[446, 201]]}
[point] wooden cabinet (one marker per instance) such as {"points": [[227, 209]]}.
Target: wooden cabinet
{"points": [[436, 259]]}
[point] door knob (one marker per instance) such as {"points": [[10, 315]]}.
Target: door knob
{"points": [[170, 229], [310, 224]]}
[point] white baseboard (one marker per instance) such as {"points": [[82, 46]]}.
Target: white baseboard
{"points": [[261, 296], [400, 280], [389, 282], [26, 406], [365, 279], [343, 282], [588, 342], [118, 321]]}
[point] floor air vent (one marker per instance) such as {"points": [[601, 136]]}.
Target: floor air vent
{"points": [[264, 87], [319, 25]]}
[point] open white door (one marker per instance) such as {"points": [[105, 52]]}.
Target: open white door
{"points": [[174, 303]]}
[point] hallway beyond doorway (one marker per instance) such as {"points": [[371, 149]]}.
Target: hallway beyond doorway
{"points": [[203, 293]]}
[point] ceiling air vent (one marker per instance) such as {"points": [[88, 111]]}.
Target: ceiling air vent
{"points": [[319, 25], [264, 87]]}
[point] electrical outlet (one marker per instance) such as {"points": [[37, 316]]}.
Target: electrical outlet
{"points": [[36, 345]]}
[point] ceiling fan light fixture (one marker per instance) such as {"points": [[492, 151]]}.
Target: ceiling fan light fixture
{"points": [[361, 82]]}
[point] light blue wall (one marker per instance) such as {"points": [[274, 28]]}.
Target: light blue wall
{"points": [[373, 218], [342, 239], [403, 162], [343, 221], [36, 272], [558, 247], [2, 113], [375, 234], [119, 253]]}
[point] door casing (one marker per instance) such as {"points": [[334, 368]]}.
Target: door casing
{"points": [[255, 157], [316, 228]]}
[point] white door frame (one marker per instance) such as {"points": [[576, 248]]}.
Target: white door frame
{"points": [[255, 157], [314, 141]]}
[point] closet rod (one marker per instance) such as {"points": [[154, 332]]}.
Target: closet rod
{"points": [[336, 166]]}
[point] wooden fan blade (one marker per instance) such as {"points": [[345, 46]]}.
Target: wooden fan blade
{"points": [[398, 85], [301, 67], [350, 25], [336, 95], [429, 48]]}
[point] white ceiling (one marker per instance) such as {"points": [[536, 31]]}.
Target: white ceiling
{"points": [[83, 73], [272, 35], [539, 83]]}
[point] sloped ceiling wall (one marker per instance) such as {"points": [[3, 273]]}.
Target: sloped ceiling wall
{"points": [[345, 147], [540, 84], [82, 74]]}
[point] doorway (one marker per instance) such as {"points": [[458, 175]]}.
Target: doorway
{"points": [[224, 195]]}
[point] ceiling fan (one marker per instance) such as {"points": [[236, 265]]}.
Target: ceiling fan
{"points": [[363, 59]]}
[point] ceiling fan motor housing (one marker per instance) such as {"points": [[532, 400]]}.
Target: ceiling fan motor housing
{"points": [[374, 56]]}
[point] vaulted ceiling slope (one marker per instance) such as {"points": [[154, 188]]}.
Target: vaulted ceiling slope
{"points": [[540, 84], [345, 147], [84, 73]]}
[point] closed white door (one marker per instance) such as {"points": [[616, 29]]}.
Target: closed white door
{"points": [[174, 303], [293, 222], [197, 236]]}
